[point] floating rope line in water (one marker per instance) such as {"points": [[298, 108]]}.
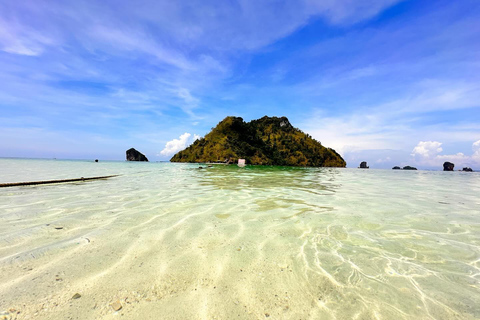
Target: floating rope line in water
{"points": [[32, 183]]}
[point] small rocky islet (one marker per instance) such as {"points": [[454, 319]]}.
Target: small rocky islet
{"points": [[448, 166], [404, 168], [134, 155], [363, 165]]}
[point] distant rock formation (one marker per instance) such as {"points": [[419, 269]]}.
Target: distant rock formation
{"points": [[409, 168], [467, 169], [396, 168], [265, 141], [363, 165], [134, 155], [448, 166]]}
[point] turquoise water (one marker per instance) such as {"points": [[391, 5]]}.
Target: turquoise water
{"points": [[173, 241]]}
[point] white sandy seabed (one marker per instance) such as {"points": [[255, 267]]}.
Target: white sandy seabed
{"points": [[171, 241]]}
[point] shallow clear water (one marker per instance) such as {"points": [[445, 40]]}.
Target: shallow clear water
{"points": [[173, 241]]}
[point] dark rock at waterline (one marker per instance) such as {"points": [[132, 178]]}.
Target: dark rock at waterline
{"points": [[467, 169], [96, 160], [396, 168], [448, 166], [134, 155], [363, 165], [409, 168]]}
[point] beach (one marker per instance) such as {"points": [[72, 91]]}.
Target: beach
{"points": [[172, 241]]}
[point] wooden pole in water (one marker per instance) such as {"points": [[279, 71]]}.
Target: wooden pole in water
{"points": [[32, 183]]}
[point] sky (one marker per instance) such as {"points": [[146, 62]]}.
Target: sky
{"points": [[389, 82]]}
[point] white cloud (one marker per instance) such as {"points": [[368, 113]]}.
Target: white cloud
{"points": [[476, 151], [175, 145], [427, 149], [476, 147]]}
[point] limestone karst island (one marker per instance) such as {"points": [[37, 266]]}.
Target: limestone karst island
{"points": [[266, 141]]}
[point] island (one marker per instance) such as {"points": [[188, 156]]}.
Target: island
{"points": [[265, 141], [363, 165], [448, 166], [404, 168], [134, 155]]}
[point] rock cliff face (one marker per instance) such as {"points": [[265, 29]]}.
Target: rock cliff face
{"points": [[134, 155], [266, 141]]}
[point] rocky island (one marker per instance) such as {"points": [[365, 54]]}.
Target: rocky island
{"points": [[265, 141], [363, 165], [448, 166], [134, 155]]}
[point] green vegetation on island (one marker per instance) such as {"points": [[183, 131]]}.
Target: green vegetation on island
{"points": [[266, 141]]}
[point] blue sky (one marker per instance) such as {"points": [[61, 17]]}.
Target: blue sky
{"points": [[385, 81]]}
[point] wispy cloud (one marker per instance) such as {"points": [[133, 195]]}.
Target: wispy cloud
{"points": [[116, 40], [17, 38], [349, 11], [437, 95]]}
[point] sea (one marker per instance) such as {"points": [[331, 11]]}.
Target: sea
{"points": [[175, 241]]}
